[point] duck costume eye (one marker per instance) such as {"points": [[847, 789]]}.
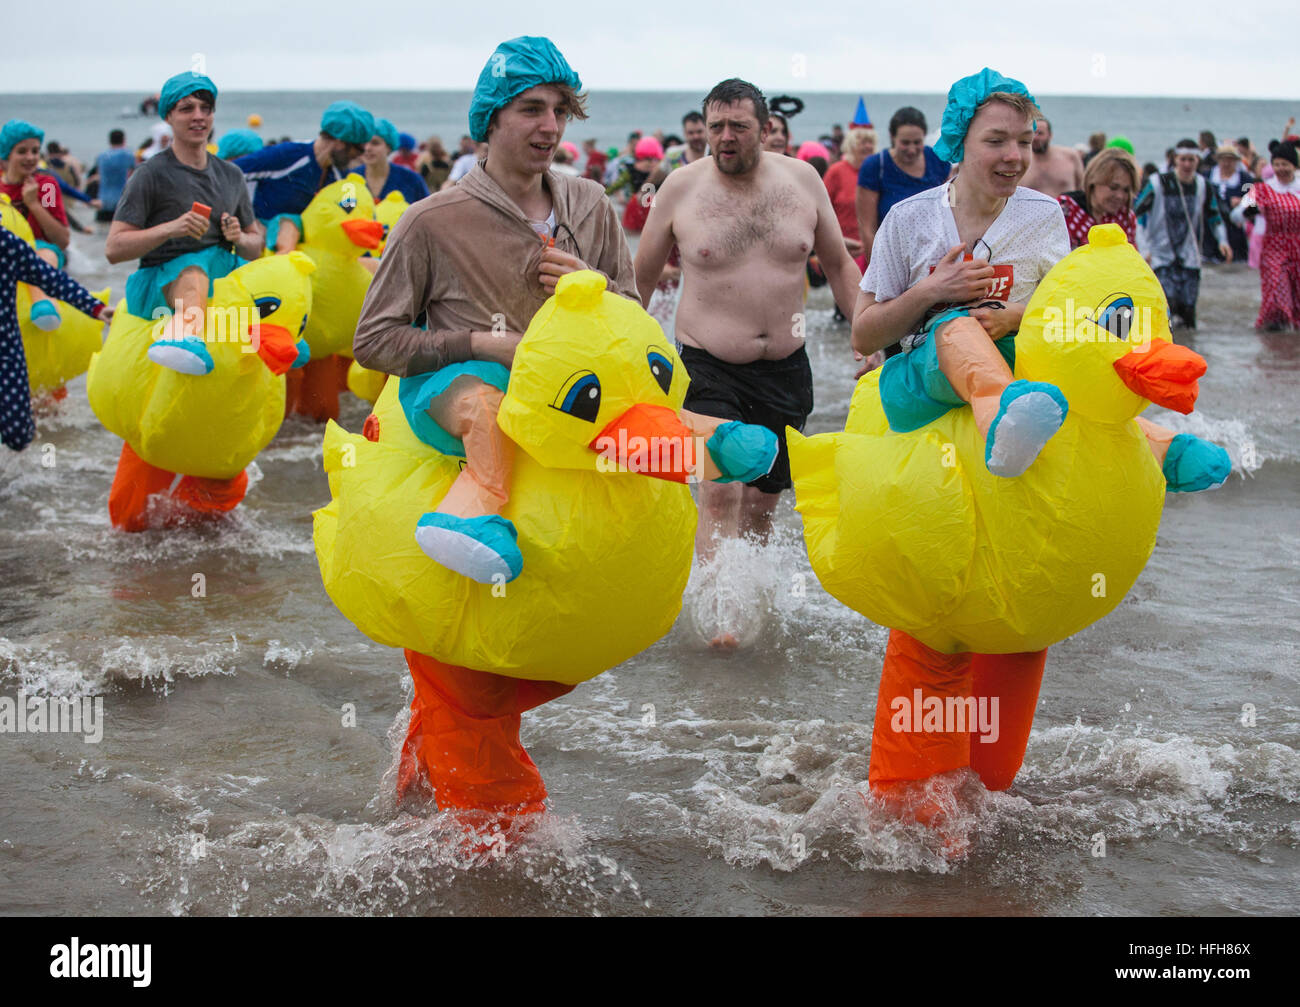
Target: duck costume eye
{"points": [[662, 369], [348, 203], [1116, 315], [579, 396], [267, 306]]}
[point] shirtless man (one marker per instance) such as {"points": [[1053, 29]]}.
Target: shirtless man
{"points": [[745, 222], [1055, 170]]}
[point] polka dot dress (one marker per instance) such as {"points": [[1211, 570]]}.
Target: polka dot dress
{"points": [[18, 263]]}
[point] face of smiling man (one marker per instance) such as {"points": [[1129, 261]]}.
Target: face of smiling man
{"points": [[191, 120], [997, 149], [525, 134]]}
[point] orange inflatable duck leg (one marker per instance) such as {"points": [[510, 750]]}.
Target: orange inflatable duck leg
{"points": [[926, 723], [313, 389], [463, 739], [136, 481]]}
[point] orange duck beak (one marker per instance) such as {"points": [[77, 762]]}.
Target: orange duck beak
{"points": [[649, 440], [367, 234], [1163, 373], [276, 345]]}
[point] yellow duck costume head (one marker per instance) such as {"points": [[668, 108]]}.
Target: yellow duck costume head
{"points": [[338, 227], [913, 531], [210, 425], [388, 211], [607, 551]]}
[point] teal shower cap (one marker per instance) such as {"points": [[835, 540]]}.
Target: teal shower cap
{"points": [[387, 132], [180, 86], [964, 98], [349, 122], [14, 132], [516, 66], [237, 143]]}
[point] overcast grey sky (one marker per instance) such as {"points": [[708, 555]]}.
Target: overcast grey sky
{"points": [[1104, 47]]}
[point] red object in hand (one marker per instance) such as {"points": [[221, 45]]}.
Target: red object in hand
{"points": [[202, 208]]}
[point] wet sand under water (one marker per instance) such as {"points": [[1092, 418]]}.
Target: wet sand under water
{"points": [[682, 782]]}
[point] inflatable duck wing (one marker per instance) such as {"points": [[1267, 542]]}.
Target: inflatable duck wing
{"points": [[208, 407], [913, 531], [606, 550], [58, 340], [338, 228]]}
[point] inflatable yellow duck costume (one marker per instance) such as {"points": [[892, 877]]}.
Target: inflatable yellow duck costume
{"points": [[977, 574], [593, 405]]}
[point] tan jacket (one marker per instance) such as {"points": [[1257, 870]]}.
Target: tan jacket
{"points": [[468, 254]]}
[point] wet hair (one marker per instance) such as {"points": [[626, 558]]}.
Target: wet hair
{"points": [[116, 136], [207, 96], [907, 116], [785, 123], [1104, 162], [733, 90], [692, 116], [1021, 103], [573, 103]]}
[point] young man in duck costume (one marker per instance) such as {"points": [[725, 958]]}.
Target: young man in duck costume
{"points": [[952, 270], [963, 312], [977, 574], [478, 262], [187, 217]]}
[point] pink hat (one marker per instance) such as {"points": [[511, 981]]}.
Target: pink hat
{"points": [[811, 148], [572, 148], [648, 146]]}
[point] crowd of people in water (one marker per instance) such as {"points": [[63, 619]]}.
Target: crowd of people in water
{"points": [[931, 252]]}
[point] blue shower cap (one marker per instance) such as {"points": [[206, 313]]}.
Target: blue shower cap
{"points": [[14, 132], [349, 122], [180, 86], [964, 98], [237, 143], [516, 66], [387, 132]]}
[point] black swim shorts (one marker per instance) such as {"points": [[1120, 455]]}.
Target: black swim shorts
{"points": [[771, 393]]}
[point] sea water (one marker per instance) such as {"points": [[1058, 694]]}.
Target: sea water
{"points": [[250, 734]]}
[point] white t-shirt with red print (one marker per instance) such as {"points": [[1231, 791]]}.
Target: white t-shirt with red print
{"points": [[1026, 240]]}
